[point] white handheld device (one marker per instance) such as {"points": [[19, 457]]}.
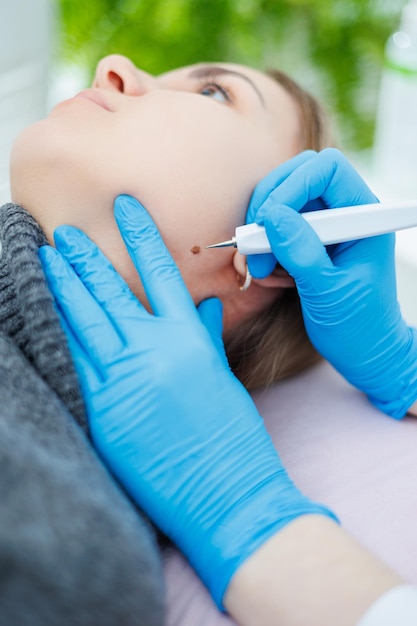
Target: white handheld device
{"points": [[333, 225]]}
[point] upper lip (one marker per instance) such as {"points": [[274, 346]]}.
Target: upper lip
{"points": [[96, 96]]}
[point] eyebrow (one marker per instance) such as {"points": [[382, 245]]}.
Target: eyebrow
{"points": [[211, 71]]}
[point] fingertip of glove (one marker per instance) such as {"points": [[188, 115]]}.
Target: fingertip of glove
{"points": [[52, 264], [127, 206], [132, 218], [135, 223], [261, 265], [66, 236], [214, 304], [47, 255]]}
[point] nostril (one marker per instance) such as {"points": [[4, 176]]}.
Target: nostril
{"points": [[116, 82]]}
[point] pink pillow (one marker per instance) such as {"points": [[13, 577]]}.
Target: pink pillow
{"points": [[340, 451]]}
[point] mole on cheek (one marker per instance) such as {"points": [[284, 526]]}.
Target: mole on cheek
{"points": [[196, 249]]}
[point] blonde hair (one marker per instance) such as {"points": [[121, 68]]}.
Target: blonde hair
{"points": [[274, 345]]}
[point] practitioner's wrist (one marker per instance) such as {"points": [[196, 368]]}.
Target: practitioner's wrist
{"points": [[412, 410], [313, 559]]}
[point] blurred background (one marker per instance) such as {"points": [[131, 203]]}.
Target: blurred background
{"points": [[337, 50]]}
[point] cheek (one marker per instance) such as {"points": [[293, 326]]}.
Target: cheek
{"points": [[195, 178]]}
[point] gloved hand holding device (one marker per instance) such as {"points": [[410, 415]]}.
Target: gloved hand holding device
{"points": [[166, 414], [348, 292]]}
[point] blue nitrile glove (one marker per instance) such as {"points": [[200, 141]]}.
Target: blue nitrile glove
{"points": [[348, 293], [167, 415]]}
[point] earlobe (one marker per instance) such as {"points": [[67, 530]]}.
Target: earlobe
{"points": [[278, 278], [239, 263]]}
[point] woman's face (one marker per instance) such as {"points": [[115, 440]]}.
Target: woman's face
{"points": [[190, 144]]}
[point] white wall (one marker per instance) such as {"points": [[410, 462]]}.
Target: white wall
{"points": [[407, 274], [26, 28], [406, 240]]}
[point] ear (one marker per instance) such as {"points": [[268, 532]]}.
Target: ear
{"points": [[278, 278]]}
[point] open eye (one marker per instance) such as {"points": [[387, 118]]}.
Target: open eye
{"points": [[216, 92]]}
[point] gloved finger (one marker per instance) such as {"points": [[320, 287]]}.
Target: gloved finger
{"points": [[329, 176], [272, 180], [162, 281], [89, 375], [211, 315], [98, 275], [83, 314], [298, 248], [261, 265]]}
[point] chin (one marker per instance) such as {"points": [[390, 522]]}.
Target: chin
{"points": [[33, 165], [44, 180]]}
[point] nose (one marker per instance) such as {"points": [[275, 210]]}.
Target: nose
{"points": [[117, 73]]}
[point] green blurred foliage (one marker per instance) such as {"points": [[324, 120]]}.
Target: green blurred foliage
{"points": [[333, 48]]}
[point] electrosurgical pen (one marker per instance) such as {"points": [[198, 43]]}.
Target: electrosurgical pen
{"points": [[333, 225]]}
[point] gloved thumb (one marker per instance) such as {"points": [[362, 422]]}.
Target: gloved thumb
{"points": [[211, 315], [297, 247]]}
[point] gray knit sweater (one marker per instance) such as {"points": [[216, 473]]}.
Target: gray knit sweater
{"points": [[73, 550]]}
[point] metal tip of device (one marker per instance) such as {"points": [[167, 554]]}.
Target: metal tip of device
{"points": [[223, 244]]}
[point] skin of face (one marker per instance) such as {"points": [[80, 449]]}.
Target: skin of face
{"points": [[190, 144]]}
